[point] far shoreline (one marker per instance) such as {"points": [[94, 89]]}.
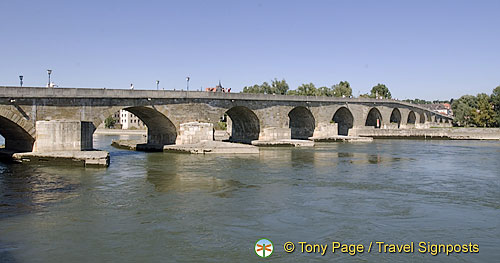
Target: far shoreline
{"points": [[102, 131]]}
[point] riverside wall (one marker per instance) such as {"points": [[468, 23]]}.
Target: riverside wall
{"points": [[431, 133]]}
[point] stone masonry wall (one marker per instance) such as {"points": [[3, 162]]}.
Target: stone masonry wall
{"points": [[63, 135], [195, 132], [326, 130]]}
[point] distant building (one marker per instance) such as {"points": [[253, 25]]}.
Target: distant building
{"points": [[443, 108], [218, 88], [116, 116], [130, 121]]}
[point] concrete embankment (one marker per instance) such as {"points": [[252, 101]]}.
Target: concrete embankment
{"points": [[283, 143], [79, 158], [136, 145], [341, 138], [210, 147], [204, 147], [432, 133]]}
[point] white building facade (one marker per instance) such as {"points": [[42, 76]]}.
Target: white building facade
{"points": [[130, 121]]}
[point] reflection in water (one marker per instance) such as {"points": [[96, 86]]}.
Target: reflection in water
{"points": [[155, 207], [167, 172], [363, 158], [345, 155], [323, 156], [26, 188]]}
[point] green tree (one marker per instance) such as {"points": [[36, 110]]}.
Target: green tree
{"points": [[380, 90], [324, 91], [484, 115], [306, 90], [462, 110], [276, 87], [266, 88], [279, 86], [495, 101], [109, 122], [252, 89], [495, 97], [343, 89]]}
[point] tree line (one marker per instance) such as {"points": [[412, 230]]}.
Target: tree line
{"points": [[482, 110], [342, 89]]}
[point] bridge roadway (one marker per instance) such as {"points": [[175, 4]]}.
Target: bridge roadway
{"points": [[173, 116]]}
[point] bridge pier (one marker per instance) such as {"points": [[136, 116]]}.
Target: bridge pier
{"points": [[278, 133], [63, 135], [326, 130], [275, 134], [65, 142], [195, 132]]}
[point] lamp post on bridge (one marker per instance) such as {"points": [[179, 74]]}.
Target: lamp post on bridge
{"points": [[187, 83], [157, 85], [21, 80], [49, 71]]}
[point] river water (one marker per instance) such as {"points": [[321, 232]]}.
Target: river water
{"points": [[159, 207]]}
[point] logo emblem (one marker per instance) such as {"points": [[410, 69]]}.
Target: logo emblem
{"points": [[264, 248]]}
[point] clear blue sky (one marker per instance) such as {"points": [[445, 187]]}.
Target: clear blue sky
{"points": [[425, 49]]}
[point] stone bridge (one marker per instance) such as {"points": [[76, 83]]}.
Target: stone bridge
{"points": [[44, 119]]}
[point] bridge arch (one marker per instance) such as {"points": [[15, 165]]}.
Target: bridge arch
{"points": [[344, 119], [301, 123], [245, 125], [18, 133], [374, 118], [412, 118], [396, 117], [422, 117], [161, 130], [428, 115]]}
